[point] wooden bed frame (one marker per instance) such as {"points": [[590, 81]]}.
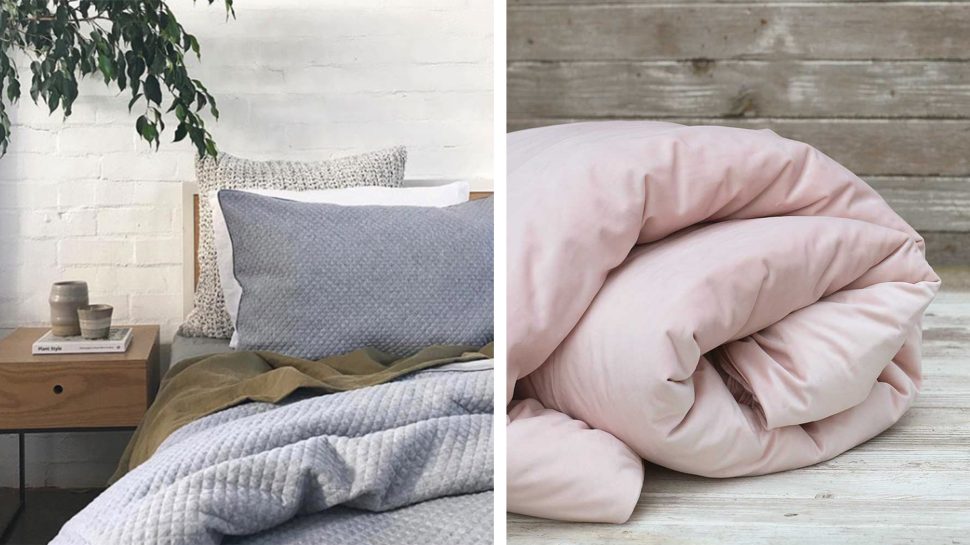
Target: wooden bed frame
{"points": [[190, 222]]}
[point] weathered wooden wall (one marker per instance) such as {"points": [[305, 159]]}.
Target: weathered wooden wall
{"points": [[883, 87]]}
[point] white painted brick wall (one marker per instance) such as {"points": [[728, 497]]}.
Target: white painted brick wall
{"points": [[84, 198]]}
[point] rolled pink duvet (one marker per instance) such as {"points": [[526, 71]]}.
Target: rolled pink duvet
{"points": [[718, 301]]}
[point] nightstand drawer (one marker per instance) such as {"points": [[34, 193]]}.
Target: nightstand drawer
{"points": [[76, 395]]}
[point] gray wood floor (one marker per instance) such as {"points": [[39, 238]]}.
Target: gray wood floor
{"points": [[909, 485]]}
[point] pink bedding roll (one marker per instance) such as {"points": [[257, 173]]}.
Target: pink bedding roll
{"points": [[718, 301]]}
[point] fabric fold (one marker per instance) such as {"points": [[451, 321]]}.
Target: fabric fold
{"points": [[722, 301], [203, 385], [609, 474]]}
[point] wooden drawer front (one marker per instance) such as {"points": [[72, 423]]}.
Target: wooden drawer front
{"points": [[72, 396]]}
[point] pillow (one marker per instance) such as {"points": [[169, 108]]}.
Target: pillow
{"points": [[209, 318], [322, 279], [445, 195]]}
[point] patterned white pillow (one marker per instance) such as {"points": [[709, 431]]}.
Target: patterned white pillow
{"points": [[209, 317]]}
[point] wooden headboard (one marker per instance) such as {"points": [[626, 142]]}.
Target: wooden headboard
{"points": [[191, 275]]}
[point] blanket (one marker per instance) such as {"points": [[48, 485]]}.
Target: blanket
{"points": [[454, 520], [378, 450], [200, 386], [718, 301]]}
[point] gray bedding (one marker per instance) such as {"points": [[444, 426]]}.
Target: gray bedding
{"points": [[408, 461], [189, 347], [454, 520], [322, 279]]}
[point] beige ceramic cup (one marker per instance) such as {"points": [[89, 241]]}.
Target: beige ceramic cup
{"points": [[65, 299], [95, 321]]}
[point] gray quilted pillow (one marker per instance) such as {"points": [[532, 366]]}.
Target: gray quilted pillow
{"points": [[209, 317], [323, 279]]}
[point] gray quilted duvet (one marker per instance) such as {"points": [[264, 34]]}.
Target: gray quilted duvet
{"points": [[409, 461]]}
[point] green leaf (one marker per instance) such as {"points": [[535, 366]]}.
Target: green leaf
{"points": [[107, 66], [152, 90], [121, 67], [60, 48], [69, 86], [35, 89], [13, 90], [139, 45], [146, 129], [53, 100], [136, 68], [60, 19], [70, 93], [158, 62]]}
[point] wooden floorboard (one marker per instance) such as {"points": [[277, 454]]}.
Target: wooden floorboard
{"points": [[733, 88], [867, 147], [909, 485], [831, 31]]}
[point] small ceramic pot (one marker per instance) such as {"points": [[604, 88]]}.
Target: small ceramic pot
{"points": [[95, 321], [65, 299]]}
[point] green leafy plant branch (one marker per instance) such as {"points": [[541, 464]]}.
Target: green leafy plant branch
{"points": [[138, 45]]}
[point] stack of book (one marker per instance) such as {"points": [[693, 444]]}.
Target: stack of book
{"points": [[117, 341]]}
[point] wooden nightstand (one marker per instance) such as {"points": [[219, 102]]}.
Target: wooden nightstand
{"points": [[73, 392]]}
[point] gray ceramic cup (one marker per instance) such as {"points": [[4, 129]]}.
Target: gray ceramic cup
{"points": [[95, 321], [65, 299]]}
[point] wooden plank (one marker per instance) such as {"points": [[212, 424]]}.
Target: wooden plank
{"points": [[523, 531], [875, 457], [935, 30], [927, 203], [831, 482], [949, 309], [761, 522], [522, 3], [945, 428], [947, 249], [944, 390], [710, 88], [868, 147], [931, 513], [954, 277]]}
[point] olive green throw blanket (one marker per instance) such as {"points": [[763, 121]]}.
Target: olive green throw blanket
{"points": [[200, 386]]}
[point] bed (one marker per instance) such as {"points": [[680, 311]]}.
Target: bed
{"points": [[378, 444], [190, 347], [183, 346]]}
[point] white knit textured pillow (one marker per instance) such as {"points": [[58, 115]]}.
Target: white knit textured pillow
{"points": [[209, 317]]}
